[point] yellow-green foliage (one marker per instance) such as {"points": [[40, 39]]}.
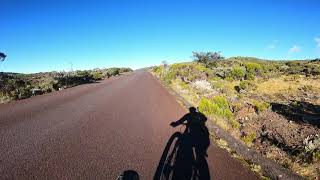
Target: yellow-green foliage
{"points": [[202, 68], [247, 85], [189, 71], [253, 67], [221, 101], [249, 76], [183, 85], [219, 107], [168, 77], [158, 70], [316, 156], [237, 106], [248, 139], [260, 106], [237, 73], [207, 107], [97, 75]]}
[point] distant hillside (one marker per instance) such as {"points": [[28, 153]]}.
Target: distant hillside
{"points": [[15, 86]]}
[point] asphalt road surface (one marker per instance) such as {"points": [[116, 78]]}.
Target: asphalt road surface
{"points": [[95, 131]]}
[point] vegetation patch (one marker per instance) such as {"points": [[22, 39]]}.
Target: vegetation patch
{"points": [[272, 106], [15, 86]]}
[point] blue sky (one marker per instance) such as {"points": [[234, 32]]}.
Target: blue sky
{"points": [[44, 35]]}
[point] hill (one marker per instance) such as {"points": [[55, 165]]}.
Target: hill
{"points": [[272, 106]]}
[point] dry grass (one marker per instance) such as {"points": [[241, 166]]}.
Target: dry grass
{"points": [[287, 84], [309, 171], [185, 91]]}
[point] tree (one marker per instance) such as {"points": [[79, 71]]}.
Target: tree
{"points": [[207, 58], [2, 56], [165, 64]]}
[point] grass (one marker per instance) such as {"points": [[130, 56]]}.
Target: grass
{"points": [[287, 84]]}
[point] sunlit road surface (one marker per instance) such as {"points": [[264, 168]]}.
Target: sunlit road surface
{"points": [[95, 131]]}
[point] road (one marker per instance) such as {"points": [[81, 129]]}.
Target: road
{"points": [[95, 131]]}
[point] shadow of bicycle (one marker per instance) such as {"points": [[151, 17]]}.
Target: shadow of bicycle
{"points": [[184, 156]]}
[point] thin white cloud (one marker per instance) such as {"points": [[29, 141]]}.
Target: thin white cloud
{"points": [[317, 39], [294, 49], [272, 45]]}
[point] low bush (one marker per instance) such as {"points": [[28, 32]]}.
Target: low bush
{"points": [[249, 76], [158, 70], [253, 68], [124, 70], [219, 107], [316, 156], [168, 77], [249, 139], [97, 75], [113, 72], [238, 73], [260, 106], [246, 85], [207, 107]]}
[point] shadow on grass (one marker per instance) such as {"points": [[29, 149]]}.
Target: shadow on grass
{"points": [[300, 112]]}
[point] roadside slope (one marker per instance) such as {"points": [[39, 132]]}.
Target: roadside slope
{"points": [[95, 131]]}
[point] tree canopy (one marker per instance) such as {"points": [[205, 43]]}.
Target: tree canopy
{"points": [[207, 58], [2, 56]]}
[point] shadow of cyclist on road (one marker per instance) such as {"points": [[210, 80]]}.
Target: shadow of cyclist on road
{"points": [[186, 160]]}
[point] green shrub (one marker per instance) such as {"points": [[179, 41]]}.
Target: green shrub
{"points": [[168, 77], [201, 68], [97, 75], [207, 58], [229, 78], [237, 106], [123, 70], [83, 74], [113, 72], [237, 73], [221, 101], [249, 76], [295, 67], [158, 70], [249, 139], [183, 85], [316, 155], [253, 68], [246, 85], [218, 106], [24, 93], [207, 107], [188, 71], [260, 106]]}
